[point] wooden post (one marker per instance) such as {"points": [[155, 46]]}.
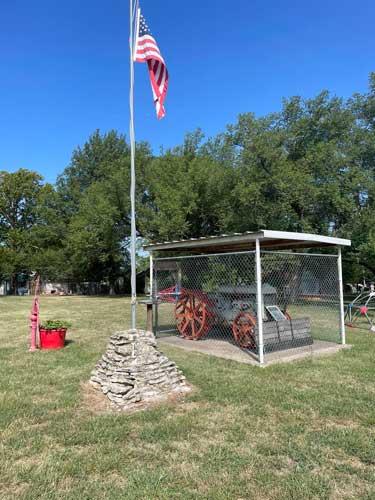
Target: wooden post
{"points": [[150, 304], [149, 317]]}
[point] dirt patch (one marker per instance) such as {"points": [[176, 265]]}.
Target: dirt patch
{"points": [[93, 401], [97, 403], [13, 491]]}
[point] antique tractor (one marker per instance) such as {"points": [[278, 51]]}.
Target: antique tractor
{"points": [[196, 312]]}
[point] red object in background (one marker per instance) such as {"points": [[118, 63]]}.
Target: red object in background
{"points": [[52, 339], [34, 319]]}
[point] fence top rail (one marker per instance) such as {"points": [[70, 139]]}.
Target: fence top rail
{"points": [[179, 257], [304, 254]]}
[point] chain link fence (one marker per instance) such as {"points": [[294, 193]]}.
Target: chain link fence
{"points": [[215, 297]]}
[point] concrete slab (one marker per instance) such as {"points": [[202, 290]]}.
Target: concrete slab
{"points": [[226, 350], [318, 348]]}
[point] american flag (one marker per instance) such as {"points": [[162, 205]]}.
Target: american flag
{"points": [[147, 50]]}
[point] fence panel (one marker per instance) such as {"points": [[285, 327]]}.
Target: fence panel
{"points": [[214, 296], [307, 290], [210, 296]]}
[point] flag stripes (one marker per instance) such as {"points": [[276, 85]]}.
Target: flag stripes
{"points": [[147, 50]]}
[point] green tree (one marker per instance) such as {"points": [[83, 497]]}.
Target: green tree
{"points": [[95, 238], [186, 190], [95, 191], [21, 219], [92, 162]]}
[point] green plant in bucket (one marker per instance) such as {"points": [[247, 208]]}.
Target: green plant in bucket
{"points": [[55, 324]]}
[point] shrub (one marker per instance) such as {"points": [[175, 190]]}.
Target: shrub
{"points": [[55, 324]]}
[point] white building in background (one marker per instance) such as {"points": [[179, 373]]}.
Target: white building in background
{"points": [[47, 288], [50, 288]]}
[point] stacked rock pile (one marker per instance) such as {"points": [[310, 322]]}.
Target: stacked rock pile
{"points": [[133, 370]]}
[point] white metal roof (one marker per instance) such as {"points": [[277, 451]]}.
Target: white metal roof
{"points": [[245, 241]]}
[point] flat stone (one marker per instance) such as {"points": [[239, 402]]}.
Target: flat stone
{"points": [[122, 379], [119, 388]]}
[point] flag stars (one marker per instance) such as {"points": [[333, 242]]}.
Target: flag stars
{"points": [[143, 27]]}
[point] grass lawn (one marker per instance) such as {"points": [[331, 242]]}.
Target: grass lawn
{"points": [[299, 431]]}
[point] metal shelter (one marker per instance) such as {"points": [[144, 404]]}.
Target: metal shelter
{"points": [[256, 290]]}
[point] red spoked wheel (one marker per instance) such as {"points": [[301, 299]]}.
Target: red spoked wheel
{"points": [[243, 329], [193, 315]]}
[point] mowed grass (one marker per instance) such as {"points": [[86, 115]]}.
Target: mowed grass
{"points": [[300, 431]]}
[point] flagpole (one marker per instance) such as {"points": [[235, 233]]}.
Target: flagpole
{"points": [[133, 233]]}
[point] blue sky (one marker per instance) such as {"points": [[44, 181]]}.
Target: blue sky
{"points": [[64, 67]]}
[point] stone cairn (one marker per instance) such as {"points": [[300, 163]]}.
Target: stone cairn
{"points": [[133, 370]]}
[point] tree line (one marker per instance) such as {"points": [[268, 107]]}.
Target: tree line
{"points": [[309, 167]]}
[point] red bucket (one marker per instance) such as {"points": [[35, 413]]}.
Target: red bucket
{"points": [[52, 339]]}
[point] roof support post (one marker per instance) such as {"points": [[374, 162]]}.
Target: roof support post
{"points": [[258, 275], [341, 294]]}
